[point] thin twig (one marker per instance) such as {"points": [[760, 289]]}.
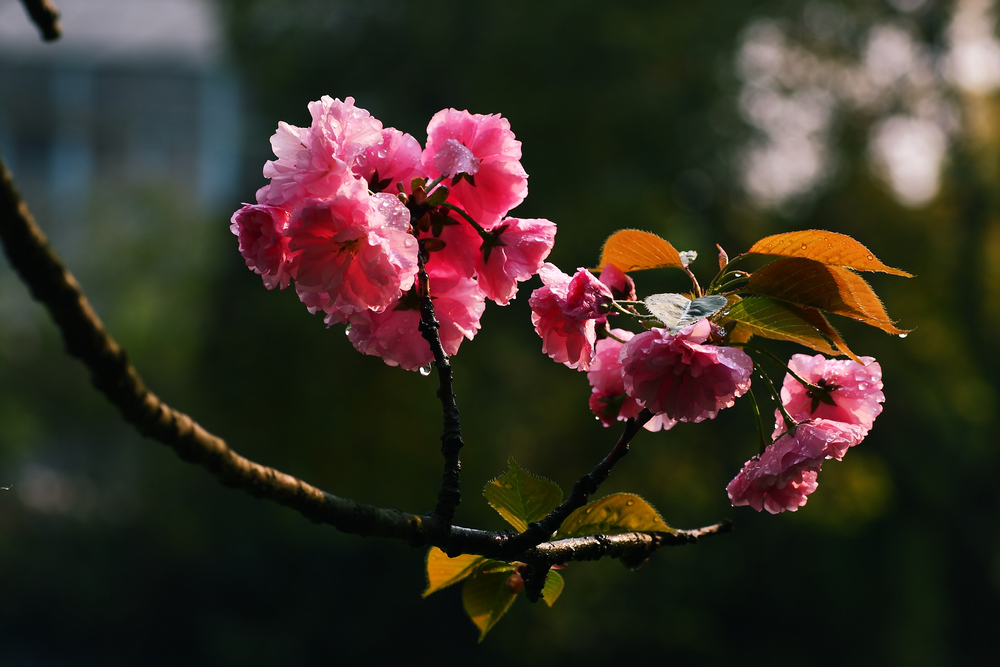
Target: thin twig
{"points": [[45, 16]]}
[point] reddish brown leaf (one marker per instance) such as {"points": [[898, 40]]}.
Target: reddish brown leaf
{"points": [[826, 247], [836, 290], [634, 250]]}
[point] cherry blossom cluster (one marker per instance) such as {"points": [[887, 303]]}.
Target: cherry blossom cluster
{"points": [[352, 207], [678, 375], [689, 373], [834, 414]]}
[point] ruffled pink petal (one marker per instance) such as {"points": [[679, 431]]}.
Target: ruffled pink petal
{"points": [[263, 244], [678, 376], [857, 390], [523, 246]]}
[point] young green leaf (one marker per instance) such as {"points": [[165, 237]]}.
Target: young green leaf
{"points": [[521, 497], [553, 587], [807, 282], [634, 250], [443, 571], [486, 598], [825, 247], [676, 311], [770, 318], [611, 515]]}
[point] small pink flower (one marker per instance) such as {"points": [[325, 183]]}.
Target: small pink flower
{"points": [[622, 286], [785, 474], [608, 400], [678, 376], [855, 390], [484, 148], [394, 334], [564, 313], [263, 244], [353, 248], [515, 254]]}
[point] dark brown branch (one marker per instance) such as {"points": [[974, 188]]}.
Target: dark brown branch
{"points": [[86, 339], [450, 494], [45, 15]]}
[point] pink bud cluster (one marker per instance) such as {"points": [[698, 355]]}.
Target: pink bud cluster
{"points": [[830, 422], [342, 219]]}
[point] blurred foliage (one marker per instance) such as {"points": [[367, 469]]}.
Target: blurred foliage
{"points": [[629, 117]]}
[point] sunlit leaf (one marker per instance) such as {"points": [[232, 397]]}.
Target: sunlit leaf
{"points": [[611, 515], [553, 587], [492, 566], [769, 318], [677, 311], [818, 320], [836, 290], [443, 571], [486, 598], [521, 497], [826, 247], [634, 250]]}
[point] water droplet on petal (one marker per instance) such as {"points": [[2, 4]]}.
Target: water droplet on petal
{"points": [[804, 246], [630, 503], [425, 370], [903, 335], [871, 257], [347, 330]]}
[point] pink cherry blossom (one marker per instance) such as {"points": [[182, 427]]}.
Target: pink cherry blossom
{"points": [[677, 375], [314, 162], [350, 247], [393, 161], [394, 334], [263, 243], [785, 474], [515, 253], [564, 313], [854, 389], [608, 400], [484, 148]]}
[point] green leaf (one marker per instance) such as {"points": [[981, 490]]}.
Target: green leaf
{"points": [[443, 571], [635, 250], [521, 497], [807, 282], [676, 311], [822, 246], [553, 587], [611, 515], [770, 318], [486, 598]]}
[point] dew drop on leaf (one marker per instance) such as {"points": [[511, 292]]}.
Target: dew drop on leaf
{"points": [[508, 485]]}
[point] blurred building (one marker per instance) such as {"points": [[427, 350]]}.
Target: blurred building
{"points": [[133, 94]]}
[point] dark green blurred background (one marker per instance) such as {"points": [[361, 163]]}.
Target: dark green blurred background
{"points": [[716, 122]]}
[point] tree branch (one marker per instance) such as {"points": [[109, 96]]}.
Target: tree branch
{"points": [[45, 16], [450, 494]]}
